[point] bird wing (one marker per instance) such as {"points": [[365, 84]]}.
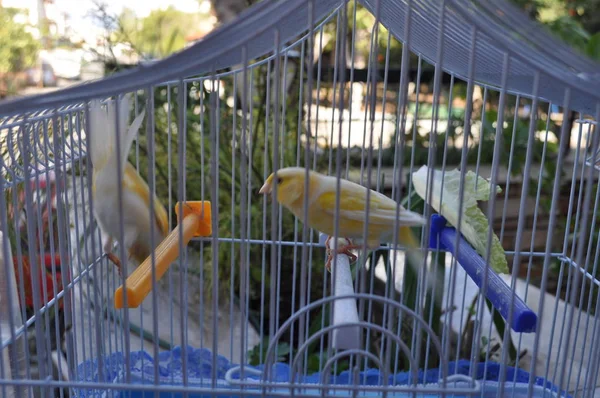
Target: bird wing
{"points": [[102, 134], [128, 138], [101, 139], [134, 182], [353, 206]]}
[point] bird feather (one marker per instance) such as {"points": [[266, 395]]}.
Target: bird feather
{"points": [[136, 184], [353, 206]]}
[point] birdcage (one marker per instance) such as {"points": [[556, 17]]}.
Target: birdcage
{"points": [[188, 270]]}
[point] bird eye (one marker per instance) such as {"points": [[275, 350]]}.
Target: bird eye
{"points": [[278, 180]]}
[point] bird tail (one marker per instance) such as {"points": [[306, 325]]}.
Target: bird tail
{"points": [[103, 137], [413, 252], [416, 260], [408, 218], [414, 255]]}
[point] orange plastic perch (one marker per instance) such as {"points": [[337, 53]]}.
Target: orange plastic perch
{"points": [[195, 221]]}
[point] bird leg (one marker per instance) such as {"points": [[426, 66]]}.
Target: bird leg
{"points": [[342, 249], [111, 256]]}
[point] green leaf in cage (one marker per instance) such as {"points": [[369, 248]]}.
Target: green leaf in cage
{"points": [[592, 47], [474, 224], [255, 357]]}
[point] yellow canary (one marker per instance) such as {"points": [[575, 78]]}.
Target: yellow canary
{"points": [[382, 217], [135, 218]]}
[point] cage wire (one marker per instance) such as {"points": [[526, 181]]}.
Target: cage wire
{"points": [[469, 90]]}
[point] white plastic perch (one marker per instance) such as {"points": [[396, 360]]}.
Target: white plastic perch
{"points": [[344, 310]]}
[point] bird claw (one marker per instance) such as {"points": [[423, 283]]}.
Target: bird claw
{"points": [[343, 249], [115, 260]]}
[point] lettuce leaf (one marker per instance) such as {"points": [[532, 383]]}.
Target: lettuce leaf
{"points": [[474, 224]]}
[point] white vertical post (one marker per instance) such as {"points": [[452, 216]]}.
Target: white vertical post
{"points": [[344, 310]]}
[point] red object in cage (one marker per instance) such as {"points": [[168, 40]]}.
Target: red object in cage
{"points": [[54, 285], [44, 204]]}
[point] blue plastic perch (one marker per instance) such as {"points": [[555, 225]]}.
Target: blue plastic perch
{"points": [[498, 292]]}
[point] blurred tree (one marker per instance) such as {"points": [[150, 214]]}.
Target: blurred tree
{"points": [[531, 7], [18, 48], [159, 34], [576, 22], [587, 12], [227, 10]]}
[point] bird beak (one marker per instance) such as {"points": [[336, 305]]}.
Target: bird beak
{"points": [[265, 189]]}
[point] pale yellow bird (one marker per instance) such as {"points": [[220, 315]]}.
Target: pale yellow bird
{"points": [[136, 217], [382, 219]]}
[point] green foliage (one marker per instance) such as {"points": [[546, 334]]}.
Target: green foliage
{"points": [[257, 354], [516, 158], [576, 22], [531, 7], [159, 34], [361, 28], [570, 31], [587, 12], [18, 48], [592, 48]]}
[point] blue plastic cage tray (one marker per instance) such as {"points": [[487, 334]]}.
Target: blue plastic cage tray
{"points": [[199, 372]]}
